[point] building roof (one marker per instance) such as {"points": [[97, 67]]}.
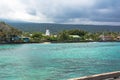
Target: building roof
{"points": [[75, 36], [106, 36], [118, 37]]}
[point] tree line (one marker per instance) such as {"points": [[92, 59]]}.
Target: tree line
{"points": [[74, 35], [10, 34]]}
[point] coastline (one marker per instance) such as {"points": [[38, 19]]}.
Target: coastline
{"points": [[48, 42]]}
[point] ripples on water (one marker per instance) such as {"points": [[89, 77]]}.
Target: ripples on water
{"points": [[57, 61]]}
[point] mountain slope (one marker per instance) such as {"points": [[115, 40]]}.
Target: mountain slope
{"points": [[8, 30], [54, 28]]}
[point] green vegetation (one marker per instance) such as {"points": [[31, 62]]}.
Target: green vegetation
{"points": [[9, 34], [36, 37], [63, 36], [77, 32], [75, 36]]}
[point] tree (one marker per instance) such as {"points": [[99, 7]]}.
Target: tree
{"points": [[49, 38], [77, 32], [63, 36], [36, 37]]}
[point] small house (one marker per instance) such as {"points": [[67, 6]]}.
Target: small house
{"points": [[106, 38], [118, 38], [25, 39], [75, 37]]}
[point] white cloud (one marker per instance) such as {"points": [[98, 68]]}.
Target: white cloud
{"points": [[105, 11], [90, 22], [17, 10], [49, 11]]}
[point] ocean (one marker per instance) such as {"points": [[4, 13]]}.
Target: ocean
{"points": [[57, 61]]}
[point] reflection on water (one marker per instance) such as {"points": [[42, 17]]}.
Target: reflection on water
{"points": [[57, 61]]}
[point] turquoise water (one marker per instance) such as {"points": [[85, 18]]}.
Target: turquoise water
{"points": [[57, 61]]}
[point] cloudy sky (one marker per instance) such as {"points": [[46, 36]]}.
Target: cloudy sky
{"points": [[62, 11]]}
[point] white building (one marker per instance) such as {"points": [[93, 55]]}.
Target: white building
{"points": [[47, 33], [102, 37]]}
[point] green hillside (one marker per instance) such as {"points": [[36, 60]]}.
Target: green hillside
{"points": [[55, 28], [7, 32]]}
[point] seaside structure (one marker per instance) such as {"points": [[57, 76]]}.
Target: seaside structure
{"points": [[118, 37], [106, 38], [16, 39], [75, 37], [25, 39], [102, 37], [104, 76], [47, 33]]}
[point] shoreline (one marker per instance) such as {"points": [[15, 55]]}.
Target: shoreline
{"points": [[48, 42]]}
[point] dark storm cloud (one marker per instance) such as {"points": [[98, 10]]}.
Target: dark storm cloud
{"points": [[106, 10]]}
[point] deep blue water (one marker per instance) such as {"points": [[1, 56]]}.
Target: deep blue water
{"points": [[57, 61]]}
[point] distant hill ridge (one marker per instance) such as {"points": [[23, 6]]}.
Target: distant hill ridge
{"points": [[7, 29], [54, 28]]}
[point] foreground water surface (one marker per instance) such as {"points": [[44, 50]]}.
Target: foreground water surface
{"points": [[57, 61]]}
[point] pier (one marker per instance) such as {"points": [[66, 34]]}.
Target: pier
{"points": [[104, 76]]}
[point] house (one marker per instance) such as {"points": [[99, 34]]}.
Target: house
{"points": [[106, 38], [55, 35], [118, 37], [13, 38], [25, 39], [89, 39], [75, 37]]}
